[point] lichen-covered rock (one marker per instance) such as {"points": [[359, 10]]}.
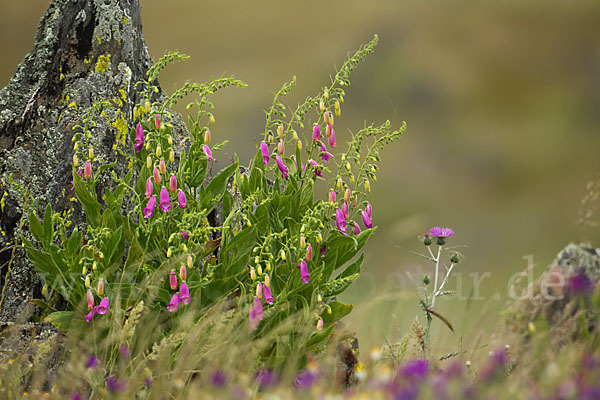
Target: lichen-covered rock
{"points": [[84, 51]]}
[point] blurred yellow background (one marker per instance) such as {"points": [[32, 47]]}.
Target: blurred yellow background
{"points": [[502, 101]]}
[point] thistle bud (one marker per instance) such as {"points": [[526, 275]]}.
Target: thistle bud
{"points": [[454, 258], [302, 242], [182, 273], [190, 262], [280, 130], [347, 195], [162, 166], [100, 289], [148, 162], [75, 160], [172, 156], [173, 280], [253, 274], [91, 154], [426, 279]]}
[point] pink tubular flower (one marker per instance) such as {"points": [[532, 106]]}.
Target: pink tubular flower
{"points": [[182, 273], [281, 147], [90, 316], [184, 234], [157, 178], [284, 170], [173, 184], [309, 253], [315, 166], [181, 200], [316, 133], [366, 219], [173, 280], [256, 314], [325, 155], [345, 210], [184, 294], [174, 303], [304, 276], [356, 229], [87, 170], [102, 308], [207, 151], [267, 294], [162, 167], [139, 137], [265, 152], [332, 196], [368, 209], [332, 138], [90, 300], [149, 210], [157, 122], [165, 202], [340, 221], [149, 188]]}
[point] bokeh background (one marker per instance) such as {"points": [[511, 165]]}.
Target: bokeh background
{"points": [[502, 101]]}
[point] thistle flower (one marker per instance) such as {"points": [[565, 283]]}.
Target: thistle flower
{"points": [[356, 228], [149, 209], [309, 253], [181, 200], [87, 170], [207, 136], [184, 294], [174, 303], [316, 133], [340, 221], [207, 151], [162, 167], [173, 184], [165, 202], [332, 196], [345, 209], [281, 147], [579, 283], [366, 219], [256, 314], [100, 289], [157, 122], [284, 170], [90, 300], [267, 294], [139, 137], [182, 272], [149, 188], [441, 234], [173, 280], [332, 138], [265, 152], [156, 175], [304, 276]]}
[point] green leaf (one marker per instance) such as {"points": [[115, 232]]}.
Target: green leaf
{"points": [[48, 225], [114, 248], [317, 338], [43, 305], [216, 187], [90, 205], [74, 242], [61, 319], [35, 227], [338, 311]]}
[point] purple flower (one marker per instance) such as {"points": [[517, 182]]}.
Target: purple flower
{"points": [[304, 276], [90, 300], [345, 209], [267, 294], [149, 209], [314, 164], [414, 370], [184, 234], [165, 202], [92, 362], [102, 308], [340, 221], [441, 232], [305, 379], [579, 283], [218, 378], [139, 137], [113, 385], [173, 280], [325, 155], [332, 137], [173, 184], [75, 396], [316, 133], [265, 378], [157, 121], [87, 170], [332, 196], [181, 200], [356, 228], [256, 314], [124, 351], [368, 209], [495, 363], [284, 170], [174, 303], [322, 250], [156, 175], [90, 316], [366, 219], [207, 151], [265, 152], [184, 294], [149, 188]]}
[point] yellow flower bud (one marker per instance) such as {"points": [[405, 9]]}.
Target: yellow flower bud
{"points": [[326, 94], [172, 156], [326, 117], [87, 281], [169, 253], [148, 162], [84, 270], [319, 298], [259, 291], [348, 167], [91, 153], [253, 274], [75, 160], [100, 289], [211, 118], [367, 187], [147, 105], [531, 327], [170, 140], [351, 178], [207, 136], [185, 248], [341, 99], [319, 237], [340, 184], [300, 145], [302, 242], [259, 270], [302, 228], [135, 113], [337, 108], [268, 268], [158, 151], [283, 255], [267, 280], [294, 135], [321, 105], [280, 130], [256, 260], [94, 266], [190, 262], [347, 195], [141, 110]]}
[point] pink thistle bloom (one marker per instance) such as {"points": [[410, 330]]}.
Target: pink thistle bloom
{"points": [[304, 276], [102, 308], [256, 314], [184, 294], [265, 152], [340, 220], [173, 280], [173, 184], [345, 210], [149, 210], [149, 188], [157, 122], [165, 202], [366, 219], [441, 232], [284, 170], [356, 229], [156, 175], [332, 138], [87, 170], [368, 209], [184, 234], [332, 196], [316, 133], [281, 147], [309, 253], [267, 294], [90, 300], [139, 137], [207, 151], [174, 303], [181, 200]]}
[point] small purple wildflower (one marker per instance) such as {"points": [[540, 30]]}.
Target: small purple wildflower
{"points": [[366, 220], [267, 294], [332, 196], [124, 351], [305, 379], [139, 137], [165, 202], [181, 200], [114, 385], [316, 133], [207, 151], [92, 362], [76, 396], [304, 276], [579, 283], [415, 369], [346, 209], [368, 209], [265, 152], [340, 221], [332, 137], [87, 170], [356, 228], [441, 232], [184, 234], [265, 378], [218, 378], [102, 308], [314, 164], [284, 170], [325, 155], [174, 303], [157, 121], [184, 294], [149, 209]]}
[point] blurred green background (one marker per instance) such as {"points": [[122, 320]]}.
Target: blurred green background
{"points": [[502, 101]]}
